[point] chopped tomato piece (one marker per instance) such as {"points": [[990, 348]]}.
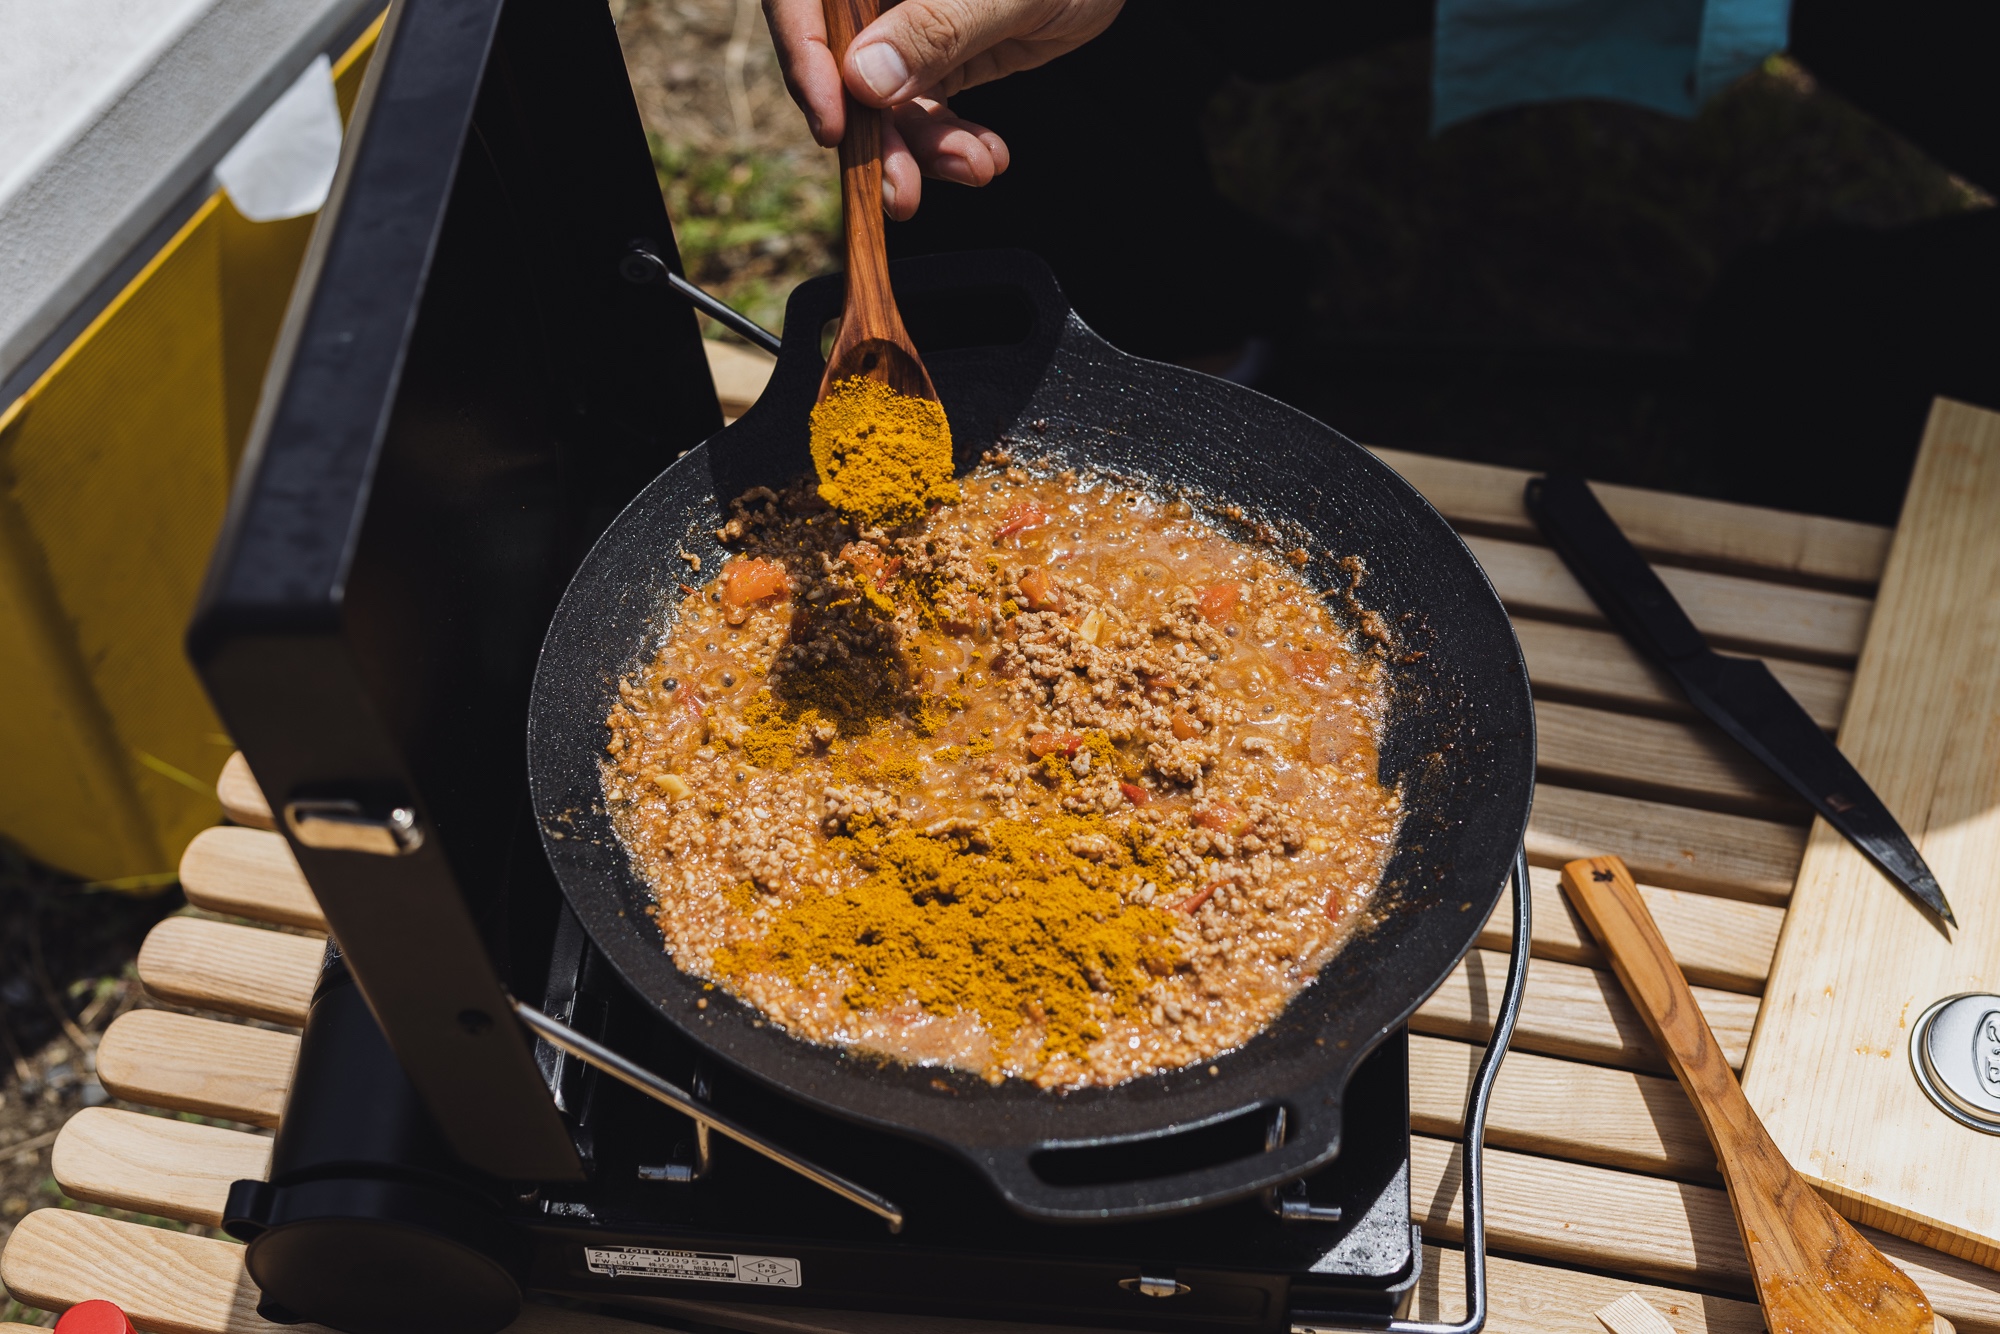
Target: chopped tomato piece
{"points": [[964, 616], [1223, 817], [1185, 727], [1040, 590], [1313, 665], [1135, 794], [1048, 743], [1019, 519], [1218, 602], [752, 580], [865, 557], [892, 567], [1192, 905]]}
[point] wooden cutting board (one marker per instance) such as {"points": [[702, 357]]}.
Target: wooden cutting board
{"points": [[1857, 963]]}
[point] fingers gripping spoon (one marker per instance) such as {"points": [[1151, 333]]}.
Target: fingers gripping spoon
{"points": [[872, 342], [1813, 1272]]}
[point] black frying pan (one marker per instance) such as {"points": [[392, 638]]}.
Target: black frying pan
{"points": [[1010, 358]]}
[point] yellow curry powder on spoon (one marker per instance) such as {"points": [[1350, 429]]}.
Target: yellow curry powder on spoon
{"points": [[882, 457]]}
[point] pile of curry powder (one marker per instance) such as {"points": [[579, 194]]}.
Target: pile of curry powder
{"points": [[883, 457], [1011, 922]]}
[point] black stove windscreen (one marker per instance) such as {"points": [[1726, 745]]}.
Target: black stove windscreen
{"points": [[465, 394]]}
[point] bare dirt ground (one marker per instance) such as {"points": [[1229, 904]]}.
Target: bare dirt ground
{"points": [[755, 202], [65, 973]]}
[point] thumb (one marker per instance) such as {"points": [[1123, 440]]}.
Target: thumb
{"points": [[916, 44]]}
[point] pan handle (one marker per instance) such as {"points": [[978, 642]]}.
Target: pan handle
{"points": [[1003, 303], [1311, 1130], [947, 311], [1313, 1127], [1472, 1164]]}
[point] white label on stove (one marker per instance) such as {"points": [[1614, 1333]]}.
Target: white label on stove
{"points": [[771, 1271]]}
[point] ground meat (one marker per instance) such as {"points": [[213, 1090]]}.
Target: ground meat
{"points": [[1047, 646]]}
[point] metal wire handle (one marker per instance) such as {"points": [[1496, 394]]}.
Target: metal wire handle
{"points": [[641, 265], [596, 1054], [1472, 1164]]}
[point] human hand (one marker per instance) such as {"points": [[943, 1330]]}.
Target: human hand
{"points": [[910, 60]]}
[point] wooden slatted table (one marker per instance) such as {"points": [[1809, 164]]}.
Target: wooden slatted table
{"points": [[1599, 1181]]}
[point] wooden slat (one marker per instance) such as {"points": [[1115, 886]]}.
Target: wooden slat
{"points": [[242, 800], [1684, 530], [1646, 1225], [175, 1283], [1656, 759], [1563, 1109], [1718, 943], [1732, 856], [1616, 1118], [249, 873], [154, 1164], [1578, 665], [185, 1064], [1525, 1298], [1569, 1011], [740, 374], [166, 1282], [182, 1171], [241, 970], [1746, 614], [1857, 963]]}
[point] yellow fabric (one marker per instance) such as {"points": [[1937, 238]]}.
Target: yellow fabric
{"points": [[115, 469]]}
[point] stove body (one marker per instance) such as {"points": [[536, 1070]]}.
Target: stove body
{"points": [[669, 1224], [466, 392]]}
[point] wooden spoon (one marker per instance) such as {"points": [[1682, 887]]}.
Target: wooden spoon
{"points": [[872, 341], [1814, 1273]]}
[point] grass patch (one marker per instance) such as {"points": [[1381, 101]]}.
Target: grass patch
{"points": [[751, 224]]}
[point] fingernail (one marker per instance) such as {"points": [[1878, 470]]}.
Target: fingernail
{"points": [[881, 67], [954, 169]]}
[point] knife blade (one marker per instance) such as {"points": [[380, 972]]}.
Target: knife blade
{"points": [[1739, 695]]}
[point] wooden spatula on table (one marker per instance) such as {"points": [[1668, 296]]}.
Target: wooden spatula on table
{"points": [[1814, 1273], [872, 342]]}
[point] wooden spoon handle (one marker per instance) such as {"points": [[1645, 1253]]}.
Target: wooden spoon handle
{"points": [[1814, 1273], [868, 307], [1609, 903]]}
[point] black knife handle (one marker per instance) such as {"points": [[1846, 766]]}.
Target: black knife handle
{"points": [[1611, 569]]}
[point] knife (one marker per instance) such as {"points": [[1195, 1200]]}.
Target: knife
{"points": [[1739, 695]]}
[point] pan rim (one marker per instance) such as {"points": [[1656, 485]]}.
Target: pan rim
{"points": [[1070, 358]]}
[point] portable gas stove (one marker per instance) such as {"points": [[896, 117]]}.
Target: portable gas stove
{"points": [[675, 1219], [668, 1202], [479, 369]]}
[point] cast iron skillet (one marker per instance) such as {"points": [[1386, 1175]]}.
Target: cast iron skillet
{"points": [[1460, 739]]}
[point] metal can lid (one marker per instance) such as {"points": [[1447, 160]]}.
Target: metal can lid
{"points": [[1955, 1054]]}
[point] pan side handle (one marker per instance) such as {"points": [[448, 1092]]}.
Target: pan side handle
{"points": [[1313, 1138], [1472, 1166]]}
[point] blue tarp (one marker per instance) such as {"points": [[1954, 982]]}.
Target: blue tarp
{"points": [[1670, 55]]}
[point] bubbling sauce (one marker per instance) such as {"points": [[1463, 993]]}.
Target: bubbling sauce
{"points": [[1059, 783]]}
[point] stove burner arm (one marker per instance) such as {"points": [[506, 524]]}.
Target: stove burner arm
{"points": [[641, 265], [611, 1063], [1472, 1164]]}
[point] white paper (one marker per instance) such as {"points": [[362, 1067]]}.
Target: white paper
{"points": [[283, 165]]}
